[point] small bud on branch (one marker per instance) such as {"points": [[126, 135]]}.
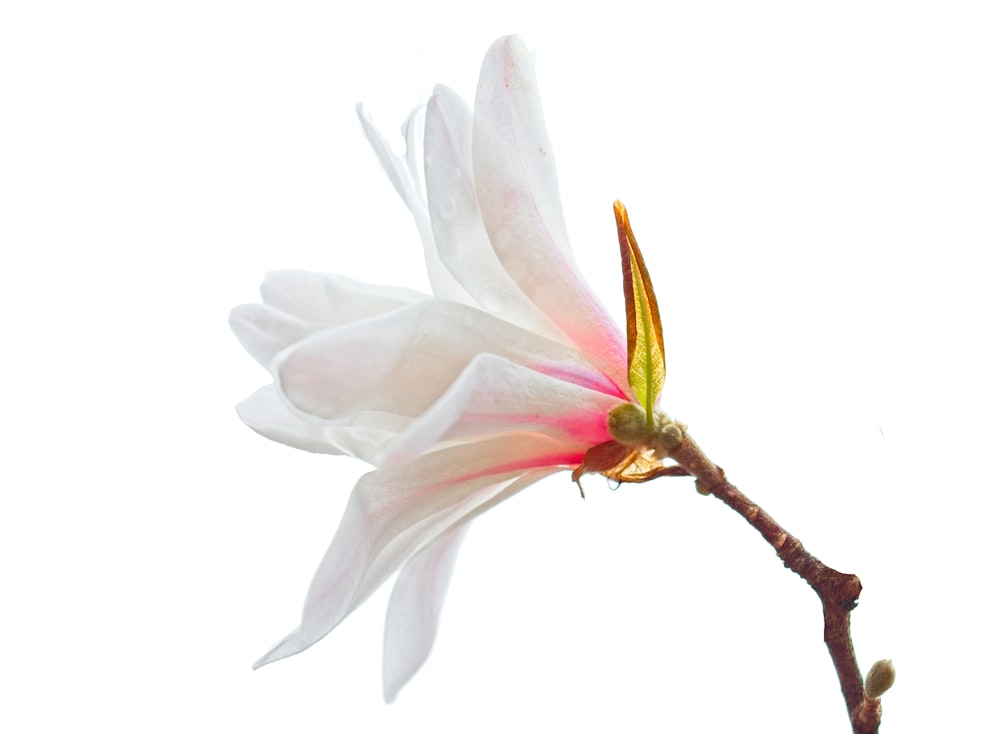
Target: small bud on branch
{"points": [[879, 679]]}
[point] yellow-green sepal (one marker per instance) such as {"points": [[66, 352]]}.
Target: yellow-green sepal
{"points": [[646, 363]]}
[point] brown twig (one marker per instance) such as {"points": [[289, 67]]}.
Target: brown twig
{"points": [[837, 591]]}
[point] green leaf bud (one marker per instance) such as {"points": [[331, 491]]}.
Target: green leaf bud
{"points": [[627, 425]]}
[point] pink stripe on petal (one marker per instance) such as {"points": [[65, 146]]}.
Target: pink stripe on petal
{"points": [[518, 194], [494, 396], [590, 379], [392, 513]]}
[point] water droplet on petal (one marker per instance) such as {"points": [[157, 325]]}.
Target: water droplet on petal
{"points": [[446, 208]]}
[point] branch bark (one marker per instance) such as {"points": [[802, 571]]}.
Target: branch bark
{"points": [[838, 592]]}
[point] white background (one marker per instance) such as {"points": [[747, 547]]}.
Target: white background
{"points": [[815, 188]]}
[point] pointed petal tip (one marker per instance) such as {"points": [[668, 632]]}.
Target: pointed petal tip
{"points": [[262, 661], [390, 690], [291, 645], [270, 656]]}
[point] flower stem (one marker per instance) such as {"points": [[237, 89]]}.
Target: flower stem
{"points": [[837, 591]]}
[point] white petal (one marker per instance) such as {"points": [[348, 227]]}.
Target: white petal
{"points": [[519, 199], [264, 330], [267, 414], [393, 513], [331, 299], [462, 242], [495, 396], [404, 174], [365, 435], [411, 621], [402, 361], [298, 303]]}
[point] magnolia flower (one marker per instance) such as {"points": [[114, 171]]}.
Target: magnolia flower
{"points": [[460, 399]]}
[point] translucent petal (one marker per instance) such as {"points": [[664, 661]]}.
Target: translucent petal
{"points": [[264, 330], [461, 239], [411, 621], [403, 172], [364, 435], [494, 396], [402, 361], [298, 303], [331, 299], [403, 175], [393, 513], [265, 413], [518, 194]]}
